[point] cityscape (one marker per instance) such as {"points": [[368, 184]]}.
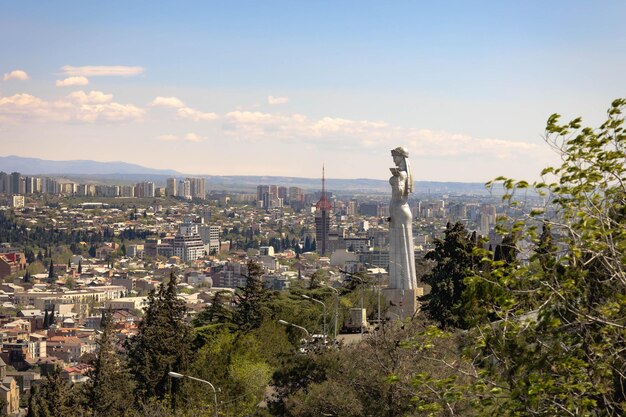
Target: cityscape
{"points": [[304, 209]]}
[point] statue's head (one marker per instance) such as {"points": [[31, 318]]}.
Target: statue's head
{"points": [[401, 159], [400, 151]]}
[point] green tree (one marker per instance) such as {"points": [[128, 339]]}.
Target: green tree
{"points": [[55, 398], [51, 274], [163, 344], [217, 312], [233, 362], [454, 262], [317, 278], [557, 345], [33, 406], [109, 389], [250, 300]]}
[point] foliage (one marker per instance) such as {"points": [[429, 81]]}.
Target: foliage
{"points": [[234, 363], [163, 344], [250, 300], [454, 262], [55, 398], [109, 389], [557, 346], [376, 377]]}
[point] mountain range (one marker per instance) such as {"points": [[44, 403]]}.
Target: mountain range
{"points": [[123, 172]]}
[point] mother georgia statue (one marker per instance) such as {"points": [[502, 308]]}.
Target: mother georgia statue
{"points": [[401, 249]]}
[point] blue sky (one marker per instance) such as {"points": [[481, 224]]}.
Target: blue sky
{"points": [[278, 88]]}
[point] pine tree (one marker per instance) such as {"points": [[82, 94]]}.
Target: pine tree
{"points": [[162, 344], [250, 300], [217, 312], [56, 398], [109, 389], [80, 267], [51, 271], [46, 319], [26, 277], [454, 259], [33, 406], [69, 263]]}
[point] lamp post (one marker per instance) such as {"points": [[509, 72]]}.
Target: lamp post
{"points": [[378, 275], [286, 323], [353, 276], [180, 376], [336, 306], [323, 305]]}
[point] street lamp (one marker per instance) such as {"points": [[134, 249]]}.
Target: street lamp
{"points": [[286, 323], [353, 276], [336, 305], [181, 376], [324, 305], [379, 289]]}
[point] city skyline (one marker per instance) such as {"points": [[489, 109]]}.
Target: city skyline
{"points": [[280, 88]]}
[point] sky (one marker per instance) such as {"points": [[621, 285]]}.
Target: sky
{"points": [[284, 87]]}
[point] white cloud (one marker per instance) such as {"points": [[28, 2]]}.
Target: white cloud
{"points": [[78, 106], [167, 102], [356, 134], [16, 75], [70, 81], [196, 115], [277, 100], [93, 97], [331, 133], [111, 112], [193, 137], [189, 137], [168, 138], [99, 71]]}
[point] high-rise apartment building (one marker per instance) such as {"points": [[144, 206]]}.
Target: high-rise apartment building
{"points": [[197, 187], [171, 187], [188, 245], [5, 183], [296, 194], [211, 238], [282, 193], [184, 189], [16, 182], [322, 220]]}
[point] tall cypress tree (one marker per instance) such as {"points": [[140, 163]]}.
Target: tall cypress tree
{"points": [[163, 344], [250, 300], [51, 270], [454, 261], [109, 389], [55, 398]]}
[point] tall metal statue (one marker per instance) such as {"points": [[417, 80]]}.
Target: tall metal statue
{"points": [[401, 248]]}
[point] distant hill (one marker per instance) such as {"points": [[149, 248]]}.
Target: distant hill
{"points": [[125, 173], [36, 166]]}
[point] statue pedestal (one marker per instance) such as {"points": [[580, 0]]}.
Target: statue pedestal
{"points": [[402, 303]]}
